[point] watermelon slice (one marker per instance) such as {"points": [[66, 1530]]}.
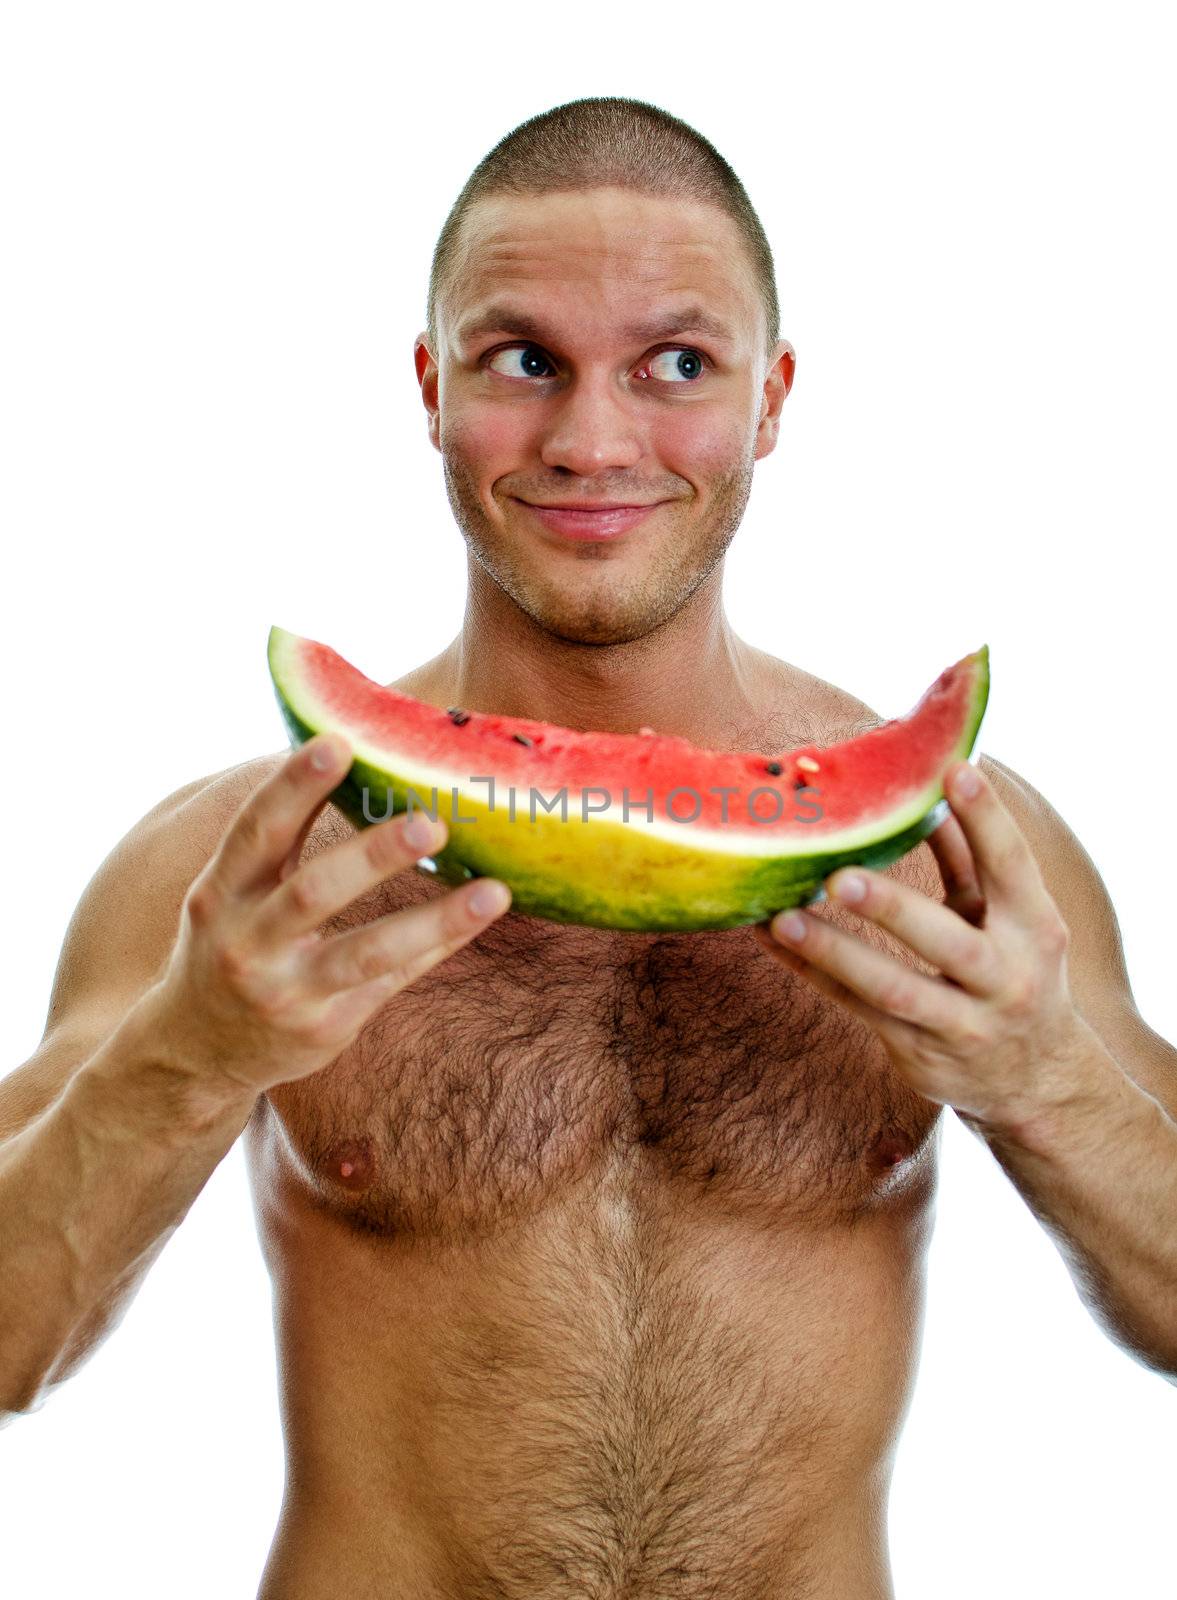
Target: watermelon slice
{"points": [[636, 831]]}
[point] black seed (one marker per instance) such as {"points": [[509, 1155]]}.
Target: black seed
{"points": [[521, 738], [800, 783], [774, 767], [457, 715]]}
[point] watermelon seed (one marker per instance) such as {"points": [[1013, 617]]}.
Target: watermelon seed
{"points": [[458, 716], [808, 764], [521, 738], [774, 767]]}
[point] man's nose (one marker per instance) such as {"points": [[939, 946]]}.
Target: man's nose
{"points": [[592, 428]]}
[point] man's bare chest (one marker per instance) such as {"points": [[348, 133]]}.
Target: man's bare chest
{"points": [[540, 1055]]}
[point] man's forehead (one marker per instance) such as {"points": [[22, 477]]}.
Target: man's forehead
{"points": [[652, 250], [599, 218]]}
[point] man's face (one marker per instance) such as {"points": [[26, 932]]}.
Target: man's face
{"points": [[601, 347]]}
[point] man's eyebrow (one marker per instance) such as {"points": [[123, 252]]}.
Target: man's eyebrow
{"points": [[509, 319]]}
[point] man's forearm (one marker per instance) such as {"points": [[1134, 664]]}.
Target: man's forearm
{"points": [[1100, 1173], [91, 1191]]}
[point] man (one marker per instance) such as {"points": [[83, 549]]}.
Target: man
{"points": [[598, 1257]]}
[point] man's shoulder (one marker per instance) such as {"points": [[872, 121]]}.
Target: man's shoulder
{"points": [[192, 818], [147, 872], [802, 708], [124, 925]]}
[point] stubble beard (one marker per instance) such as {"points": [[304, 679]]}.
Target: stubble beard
{"points": [[599, 608]]}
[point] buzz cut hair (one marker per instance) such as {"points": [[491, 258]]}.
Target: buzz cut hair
{"points": [[607, 141]]}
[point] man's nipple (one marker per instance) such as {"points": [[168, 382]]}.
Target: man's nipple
{"points": [[351, 1163], [890, 1149]]}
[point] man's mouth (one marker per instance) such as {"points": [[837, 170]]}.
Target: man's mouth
{"points": [[590, 519]]}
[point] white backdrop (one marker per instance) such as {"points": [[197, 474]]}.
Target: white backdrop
{"points": [[217, 228]]}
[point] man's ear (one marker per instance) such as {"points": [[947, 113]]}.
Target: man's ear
{"points": [[427, 377], [777, 383]]}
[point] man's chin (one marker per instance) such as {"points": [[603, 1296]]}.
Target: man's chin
{"points": [[601, 621], [578, 626]]}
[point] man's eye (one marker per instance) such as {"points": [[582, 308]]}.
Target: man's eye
{"points": [[520, 361], [675, 366]]}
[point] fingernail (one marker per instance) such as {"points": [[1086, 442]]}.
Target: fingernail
{"points": [[967, 784], [326, 753], [790, 927], [421, 831], [850, 886], [489, 898]]}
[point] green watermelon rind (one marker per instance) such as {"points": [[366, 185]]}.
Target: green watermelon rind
{"points": [[653, 891]]}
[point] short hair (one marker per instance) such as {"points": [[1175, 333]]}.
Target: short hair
{"points": [[607, 141]]}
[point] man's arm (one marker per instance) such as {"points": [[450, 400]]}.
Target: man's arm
{"points": [[1022, 1019], [102, 1148], [205, 956], [1100, 1170]]}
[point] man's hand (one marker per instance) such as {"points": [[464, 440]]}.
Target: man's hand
{"points": [[993, 1035], [253, 993]]}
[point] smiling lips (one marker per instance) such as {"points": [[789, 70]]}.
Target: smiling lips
{"points": [[593, 519]]}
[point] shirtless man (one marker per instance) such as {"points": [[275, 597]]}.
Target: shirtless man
{"points": [[598, 1256]]}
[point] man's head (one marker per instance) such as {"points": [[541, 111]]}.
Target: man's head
{"points": [[602, 327]]}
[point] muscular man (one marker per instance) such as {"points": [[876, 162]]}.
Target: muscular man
{"points": [[598, 1256]]}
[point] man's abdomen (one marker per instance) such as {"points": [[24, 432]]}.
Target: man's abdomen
{"points": [[632, 1391]]}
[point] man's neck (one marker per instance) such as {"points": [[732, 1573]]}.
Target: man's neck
{"points": [[692, 676]]}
